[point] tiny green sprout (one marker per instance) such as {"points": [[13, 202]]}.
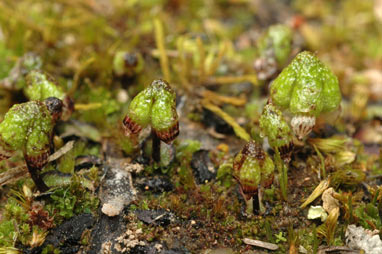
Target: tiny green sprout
{"points": [[252, 168], [127, 64], [41, 85], [29, 127], [274, 48], [273, 126], [155, 106], [307, 88]]}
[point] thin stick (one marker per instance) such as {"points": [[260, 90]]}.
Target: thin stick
{"points": [[202, 59], [239, 131], [159, 39]]}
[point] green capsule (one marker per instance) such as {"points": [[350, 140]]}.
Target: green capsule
{"points": [[29, 127], [40, 86], [307, 88], [127, 64], [252, 167], [139, 112], [273, 126], [164, 118], [155, 105]]}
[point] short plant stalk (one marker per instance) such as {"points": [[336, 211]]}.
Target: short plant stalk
{"points": [[283, 173], [41, 186], [156, 147]]}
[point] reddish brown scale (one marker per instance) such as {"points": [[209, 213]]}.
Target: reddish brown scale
{"points": [[68, 107], [169, 135], [38, 161], [286, 152], [248, 192], [130, 125]]}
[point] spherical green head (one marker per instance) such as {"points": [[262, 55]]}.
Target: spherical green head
{"points": [[273, 126], [127, 63], [280, 135], [156, 105], [252, 167], [306, 86], [41, 85], [28, 127], [278, 40]]}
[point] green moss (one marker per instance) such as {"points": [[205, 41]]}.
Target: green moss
{"points": [[73, 199]]}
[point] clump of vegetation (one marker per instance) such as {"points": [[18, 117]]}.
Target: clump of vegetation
{"points": [[220, 57], [29, 127], [307, 88], [154, 106], [253, 169]]}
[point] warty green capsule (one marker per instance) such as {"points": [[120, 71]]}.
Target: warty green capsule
{"points": [[40, 85], [29, 127], [252, 167], [307, 88], [274, 126], [156, 106]]}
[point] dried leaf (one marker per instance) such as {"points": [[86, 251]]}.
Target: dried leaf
{"points": [[316, 193]]}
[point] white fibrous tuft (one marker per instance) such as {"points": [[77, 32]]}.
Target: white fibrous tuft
{"points": [[302, 125]]}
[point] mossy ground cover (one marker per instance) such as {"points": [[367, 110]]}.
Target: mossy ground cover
{"points": [[220, 58]]}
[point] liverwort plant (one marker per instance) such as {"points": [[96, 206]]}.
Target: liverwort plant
{"points": [[280, 138], [127, 64], [306, 88], [40, 85], [154, 106], [274, 126], [28, 127], [253, 169]]}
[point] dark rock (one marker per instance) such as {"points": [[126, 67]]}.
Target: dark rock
{"points": [[155, 184], [155, 217], [209, 119], [106, 229], [202, 167], [66, 237]]}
